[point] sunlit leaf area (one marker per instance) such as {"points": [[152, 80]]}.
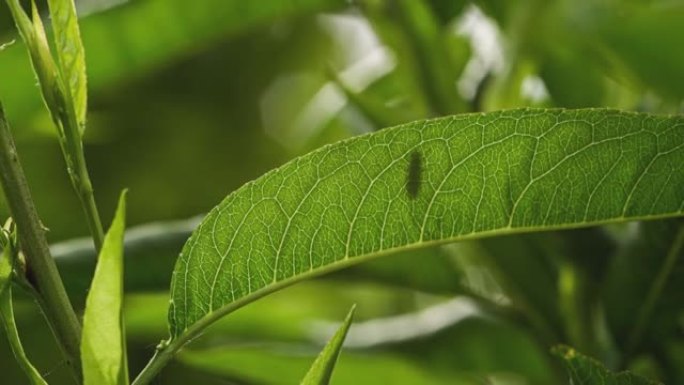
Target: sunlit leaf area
{"points": [[494, 188]]}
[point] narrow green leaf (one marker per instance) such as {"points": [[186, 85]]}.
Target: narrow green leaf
{"points": [[585, 370], [7, 312], [425, 183], [70, 55], [33, 34], [103, 348], [321, 370]]}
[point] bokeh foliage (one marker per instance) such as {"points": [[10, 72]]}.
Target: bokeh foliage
{"points": [[188, 100]]}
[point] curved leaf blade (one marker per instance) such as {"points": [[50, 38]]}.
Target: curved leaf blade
{"points": [[321, 370], [7, 318], [103, 348], [7, 260], [474, 175]]}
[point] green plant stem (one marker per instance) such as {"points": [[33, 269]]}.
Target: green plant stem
{"points": [[84, 189], [41, 268], [72, 148], [654, 293], [161, 357]]}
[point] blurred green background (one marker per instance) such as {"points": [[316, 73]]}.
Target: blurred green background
{"points": [[191, 99]]}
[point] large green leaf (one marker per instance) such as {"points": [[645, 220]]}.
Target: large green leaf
{"points": [[103, 348], [150, 251], [421, 184], [584, 370]]}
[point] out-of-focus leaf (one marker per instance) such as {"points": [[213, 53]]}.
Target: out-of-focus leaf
{"points": [[70, 56], [437, 272], [287, 363], [372, 108], [644, 36], [572, 82], [103, 346], [149, 254], [638, 266], [584, 370], [522, 266], [321, 371], [274, 317], [262, 237], [138, 36], [438, 73], [501, 11], [481, 346], [506, 89], [402, 87], [447, 10], [465, 352]]}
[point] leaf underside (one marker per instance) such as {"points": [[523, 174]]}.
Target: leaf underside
{"points": [[425, 183]]}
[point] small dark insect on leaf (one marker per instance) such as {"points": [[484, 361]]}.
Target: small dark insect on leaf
{"points": [[415, 169]]}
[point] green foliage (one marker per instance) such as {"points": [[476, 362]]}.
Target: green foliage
{"points": [[645, 264], [115, 57], [70, 55], [103, 345], [322, 369], [63, 91], [480, 175], [584, 370], [7, 265], [33, 34], [509, 232]]}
